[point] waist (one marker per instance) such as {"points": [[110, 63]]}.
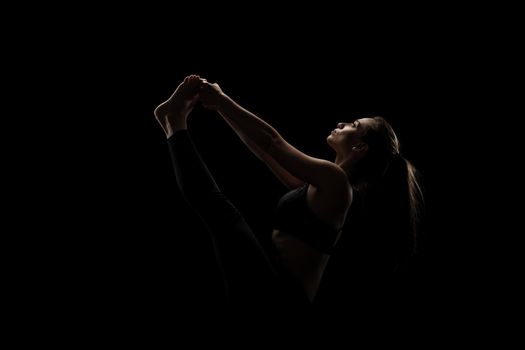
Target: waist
{"points": [[319, 240]]}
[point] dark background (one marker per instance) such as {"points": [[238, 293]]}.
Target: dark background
{"points": [[144, 240], [119, 239]]}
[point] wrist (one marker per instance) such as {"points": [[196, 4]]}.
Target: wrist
{"points": [[224, 103]]}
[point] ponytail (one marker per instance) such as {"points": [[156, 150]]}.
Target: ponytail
{"points": [[402, 198]]}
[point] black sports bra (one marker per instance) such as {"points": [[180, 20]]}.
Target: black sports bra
{"points": [[294, 217]]}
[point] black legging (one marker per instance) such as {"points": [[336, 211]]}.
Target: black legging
{"points": [[250, 276]]}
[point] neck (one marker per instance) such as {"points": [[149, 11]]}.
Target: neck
{"points": [[338, 159], [344, 163]]}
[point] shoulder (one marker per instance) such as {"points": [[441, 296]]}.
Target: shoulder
{"points": [[337, 191], [336, 179]]}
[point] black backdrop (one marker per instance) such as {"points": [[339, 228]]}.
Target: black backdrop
{"points": [[138, 236], [123, 241]]}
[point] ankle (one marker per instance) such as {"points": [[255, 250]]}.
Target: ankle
{"points": [[174, 125]]}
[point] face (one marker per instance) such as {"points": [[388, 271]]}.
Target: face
{"points": [[347, 135]]}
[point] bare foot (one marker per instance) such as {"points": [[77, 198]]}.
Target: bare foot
{"points": [[172, 113]]}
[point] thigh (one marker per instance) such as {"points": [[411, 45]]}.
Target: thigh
{"points": [[246, 264]]}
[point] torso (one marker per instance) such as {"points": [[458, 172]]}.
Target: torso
{"points": [[305, 263]]}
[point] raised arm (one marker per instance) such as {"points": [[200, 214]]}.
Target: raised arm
{"points": [[289, 164], [212, 95], [289, 180]]}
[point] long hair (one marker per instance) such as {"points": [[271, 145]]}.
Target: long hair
{"points": [[379, 235], [389, 187]]}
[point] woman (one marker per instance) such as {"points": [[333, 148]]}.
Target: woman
{"points": [[309, 218]]}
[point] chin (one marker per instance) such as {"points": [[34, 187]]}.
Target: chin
{"points": [[330, 141]]}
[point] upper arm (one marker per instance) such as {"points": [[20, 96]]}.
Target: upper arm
{"points": [[289, 180], [318, 172]]}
